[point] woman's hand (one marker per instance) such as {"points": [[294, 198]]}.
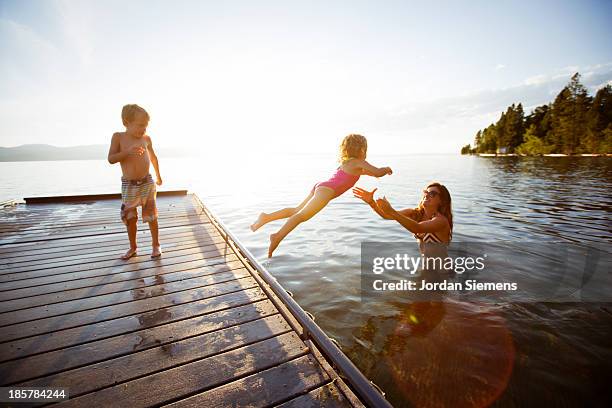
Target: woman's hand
{"points": [[365, 195], [385, 207]]}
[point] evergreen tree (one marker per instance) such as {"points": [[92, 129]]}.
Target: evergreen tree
{"points": [[533, 144], [509, 128], [540, 117], [501, 141], [545, 125], [606, 143], [519, 126], [467, 149], [598, 118], [477, 141], [572, 116], [489, 140], [582, 106], [573, 123], [558, 112]]}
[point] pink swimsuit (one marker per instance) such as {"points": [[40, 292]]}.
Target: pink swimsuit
{"points": [[339, 182]]}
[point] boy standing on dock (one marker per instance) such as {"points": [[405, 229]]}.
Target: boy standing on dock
{"points": [[134, 150]]}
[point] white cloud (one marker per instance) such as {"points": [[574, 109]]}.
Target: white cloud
{"points": [[469, 112], [536, 80], [499, 67], [568, 70]]}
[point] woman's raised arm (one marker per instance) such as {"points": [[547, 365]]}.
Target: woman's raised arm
{"points": [[368, 197], [434, 225]]}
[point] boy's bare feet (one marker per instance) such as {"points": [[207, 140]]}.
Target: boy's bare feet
{"points": [[130, 253], [257, 224], [157, 252], [274, 241]]}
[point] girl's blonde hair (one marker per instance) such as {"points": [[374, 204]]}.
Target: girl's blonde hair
{"points": [[445, 208], [351, 147]]}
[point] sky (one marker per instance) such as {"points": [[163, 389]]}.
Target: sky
{"points": [[290, 76]]}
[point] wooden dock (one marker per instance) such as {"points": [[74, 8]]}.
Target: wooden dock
{"points": [[205, 325]]}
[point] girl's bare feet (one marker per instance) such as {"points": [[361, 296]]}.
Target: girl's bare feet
{"points": [[260, 221], [130, 253], [274, 241], [157, 252]]}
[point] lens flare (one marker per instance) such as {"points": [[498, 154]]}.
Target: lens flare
{"points": [[450, 354]]}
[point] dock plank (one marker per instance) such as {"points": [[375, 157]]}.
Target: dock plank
{"points": [[185, 380], [31, 345], [117, 298], [26, 279], [197, 327], [111, 249], [56, 292], [44, 247], [267, 387], [49, 223], [116, 346], [54, 323], [103, 261], [327, 396], [25, 237], [132, 366]]}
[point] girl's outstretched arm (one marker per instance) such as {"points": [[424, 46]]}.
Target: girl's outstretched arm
{"points": [[369, 170]]}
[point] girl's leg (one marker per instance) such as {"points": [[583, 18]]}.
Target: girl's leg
{"points": [[321, 197], [264, 218]]}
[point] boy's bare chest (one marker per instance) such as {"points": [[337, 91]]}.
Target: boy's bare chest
{"points": [[127, 144]]}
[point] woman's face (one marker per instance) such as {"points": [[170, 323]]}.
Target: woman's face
{"points": [[431, 197]]}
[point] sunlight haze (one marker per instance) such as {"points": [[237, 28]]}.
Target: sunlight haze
{"points": [[269, 76]]}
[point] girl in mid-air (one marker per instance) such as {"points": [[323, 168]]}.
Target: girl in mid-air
{"points": [[352, 165]]}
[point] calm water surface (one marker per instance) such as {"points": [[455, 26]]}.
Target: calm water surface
{"points": [[422, 354]]}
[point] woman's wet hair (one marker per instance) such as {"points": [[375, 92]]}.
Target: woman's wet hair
{"points": [[445, 208]]}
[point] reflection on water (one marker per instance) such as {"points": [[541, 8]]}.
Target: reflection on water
{"points": [[442, 353], [446, 353], [553, 197]]}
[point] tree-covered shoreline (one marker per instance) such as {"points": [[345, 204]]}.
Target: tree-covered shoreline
{"points": [[574, 123]]}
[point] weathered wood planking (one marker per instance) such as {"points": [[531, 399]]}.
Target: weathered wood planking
{"points": [[197, 327]]}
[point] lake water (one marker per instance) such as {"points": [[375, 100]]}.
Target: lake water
{"points": [[435, 354]]}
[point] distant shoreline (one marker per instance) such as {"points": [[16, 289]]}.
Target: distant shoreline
{"points": [[540, 155], [41, 152], [49, 160]]}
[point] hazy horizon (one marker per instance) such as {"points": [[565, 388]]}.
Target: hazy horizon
{"points": [[280, 77]]}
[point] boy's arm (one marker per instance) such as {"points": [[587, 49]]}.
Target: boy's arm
{"points": [[154, 160], [369, 170], [115, 155]]}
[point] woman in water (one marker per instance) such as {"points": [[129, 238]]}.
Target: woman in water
{"points": [[353, 151], [430, 222]]}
